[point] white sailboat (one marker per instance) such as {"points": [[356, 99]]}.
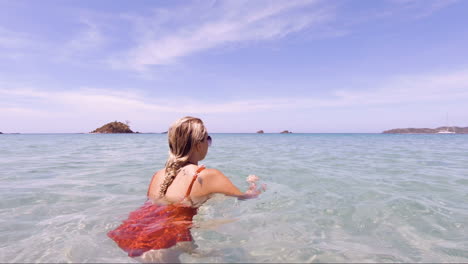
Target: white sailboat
{"points": [[446, 131]]}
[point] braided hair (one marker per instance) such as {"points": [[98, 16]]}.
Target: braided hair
{"points": [[182, 137]]}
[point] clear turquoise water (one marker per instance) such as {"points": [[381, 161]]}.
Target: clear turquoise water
{"points": [[330, 197]]}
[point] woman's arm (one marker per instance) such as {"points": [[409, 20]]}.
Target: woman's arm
{"points": [[214, 181]]}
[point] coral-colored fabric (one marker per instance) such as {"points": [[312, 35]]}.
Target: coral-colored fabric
{"points": [[154, 226]]}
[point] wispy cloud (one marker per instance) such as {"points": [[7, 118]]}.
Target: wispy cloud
{"points": [[16, 45], [85, 108], [79, 43], [11, 39], [422, 88], [86, 42], [222, 24], [204, 26], [419, 8], [397, 90], [167, 36], [88, 38]]}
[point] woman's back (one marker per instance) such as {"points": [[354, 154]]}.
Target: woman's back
{"points": [[188, 182]]}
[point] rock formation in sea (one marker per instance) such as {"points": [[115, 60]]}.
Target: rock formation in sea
{"points": [[458, 130], [1, 133], [113, 127], [260, 132], [285, 132]]}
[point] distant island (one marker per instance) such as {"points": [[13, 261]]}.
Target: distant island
{"points": [[260, 132], [285, 132], [113, 127], [457, 130]]}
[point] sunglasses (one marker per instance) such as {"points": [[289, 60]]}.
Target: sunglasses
{"points": [[209, 140]]}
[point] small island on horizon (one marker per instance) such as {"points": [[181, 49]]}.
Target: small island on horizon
{"points": [[120, 128], [282, 132], [113, 128], [439, 130]]}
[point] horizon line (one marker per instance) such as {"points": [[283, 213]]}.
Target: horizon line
{"points": [[162, 133]]}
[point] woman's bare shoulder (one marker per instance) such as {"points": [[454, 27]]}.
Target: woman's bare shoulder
{"points": [[214, 181], [158, 174], [210, 171], [208, 176], [211, 174], [161, 171], [155, 181]]}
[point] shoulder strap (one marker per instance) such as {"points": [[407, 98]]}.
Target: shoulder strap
{"points": [[202, 167]]}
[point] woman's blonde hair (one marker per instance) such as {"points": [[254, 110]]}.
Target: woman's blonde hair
{"points": [[182, 136]]}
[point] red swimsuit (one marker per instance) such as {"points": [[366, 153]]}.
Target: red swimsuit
{"points": [[154, 226]]}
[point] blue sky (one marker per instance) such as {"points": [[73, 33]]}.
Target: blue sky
{"points": [[241, 66]]}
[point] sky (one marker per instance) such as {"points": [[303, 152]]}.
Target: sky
{"points": [[307, 66]]}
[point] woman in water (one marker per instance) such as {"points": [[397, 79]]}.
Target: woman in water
{"points": [[159, 231]]}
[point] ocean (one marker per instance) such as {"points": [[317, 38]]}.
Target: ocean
{"points": [[329, 198]]}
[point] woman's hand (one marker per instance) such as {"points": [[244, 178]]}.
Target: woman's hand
{"points": [[252, 178], [253, 190]]}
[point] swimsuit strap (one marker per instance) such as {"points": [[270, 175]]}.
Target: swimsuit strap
{"points": [[202, 167]]}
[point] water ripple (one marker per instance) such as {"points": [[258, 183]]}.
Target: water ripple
{"points": [[330, 197]]}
